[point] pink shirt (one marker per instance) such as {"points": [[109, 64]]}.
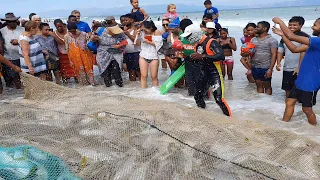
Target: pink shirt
{"points": [[170, 16]]}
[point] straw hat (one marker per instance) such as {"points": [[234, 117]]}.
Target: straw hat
{"points": [[115, 29]]}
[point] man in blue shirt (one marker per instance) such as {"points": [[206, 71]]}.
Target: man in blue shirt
{"points": [[308, 81], [82, 26], [211, 10]]}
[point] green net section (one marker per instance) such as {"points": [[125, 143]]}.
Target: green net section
{"points": [[102, 136], [27, 162]]}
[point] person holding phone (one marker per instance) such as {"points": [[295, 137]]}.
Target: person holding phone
{"points": [[151, 42]]}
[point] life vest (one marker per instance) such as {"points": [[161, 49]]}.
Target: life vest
{"points": [[208, 49]]}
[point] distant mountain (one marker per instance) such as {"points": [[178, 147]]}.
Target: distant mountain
{"points": [[156, 9], [297, 3]]}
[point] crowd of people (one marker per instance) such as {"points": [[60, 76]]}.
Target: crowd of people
{"points": [[136, 45]]}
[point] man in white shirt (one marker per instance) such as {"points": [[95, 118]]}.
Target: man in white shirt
{"points": [[10, 35]]}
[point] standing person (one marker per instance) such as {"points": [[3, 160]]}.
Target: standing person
{"points": [[15, 68], [307, 83], [246, 61], [110, 54], [80, 56], [190, 37], [31, 57], [140, 14], [71, 19], [173, 55], [213, 12], [151, 42], [264, 58], [66, 70], [10, 35], [49, 46], [37, 19], [82, 26], [165, 34], [292, 60], [228, 45], [132, 51], [110, 21], [208, 52], [208, 18], [172, 13], [30, 16]]}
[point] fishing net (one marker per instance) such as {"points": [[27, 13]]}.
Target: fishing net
{"points": [[103, 136]]}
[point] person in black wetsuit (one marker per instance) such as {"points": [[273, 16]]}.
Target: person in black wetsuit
{"points": [[191, 35], [209, 52]]}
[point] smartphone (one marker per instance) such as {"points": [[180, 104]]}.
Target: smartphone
{"points": [[149, 38]]}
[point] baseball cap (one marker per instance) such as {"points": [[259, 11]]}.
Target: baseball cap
{"points": [[210, 25], [184, 23], [187, 31]]}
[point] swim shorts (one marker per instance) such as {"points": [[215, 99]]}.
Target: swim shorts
{"points": [[308, 99], [288, 80], [229, 60], [259, 74]]}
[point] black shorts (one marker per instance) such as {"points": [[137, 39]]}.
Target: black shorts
{"points": [[308, 99], [288, 80], [132, 61]]}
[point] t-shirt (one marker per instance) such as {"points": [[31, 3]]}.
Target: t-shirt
{"points": [[188, 47], [48, 43], [11, 52], [308, 77], [83, 26], [212, 11], [248, 39], [291, 61], [262, 57]]}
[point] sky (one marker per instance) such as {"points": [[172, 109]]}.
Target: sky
{"points": [[48, 5]]}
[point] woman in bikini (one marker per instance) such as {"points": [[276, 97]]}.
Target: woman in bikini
{"points": [[228, 45], [151, 42]]}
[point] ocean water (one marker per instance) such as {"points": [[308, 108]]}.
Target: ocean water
{"points": [[245, 103]]}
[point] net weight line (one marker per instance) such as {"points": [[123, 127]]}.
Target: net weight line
{"points": [[161, 131]]}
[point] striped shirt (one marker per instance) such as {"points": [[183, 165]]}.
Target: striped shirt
{"points": [[36, 56]]}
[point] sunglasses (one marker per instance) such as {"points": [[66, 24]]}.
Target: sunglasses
{"points": [[165, 25]]}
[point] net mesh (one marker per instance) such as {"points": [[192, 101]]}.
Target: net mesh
{"points": [[102, 136]]}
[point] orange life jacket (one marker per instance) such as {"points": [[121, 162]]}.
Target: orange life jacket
{"points": [[208, 50]]}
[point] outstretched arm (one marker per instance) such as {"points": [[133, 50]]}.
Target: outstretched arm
{"points": [[8, 63], [293, 48], [146, 16], [289, 34]]}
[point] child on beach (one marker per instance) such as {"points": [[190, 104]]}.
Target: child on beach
{"points": [[245, 35], [213, 12], [250, 31], [228, 45], [139, 13], [172, 13]]}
